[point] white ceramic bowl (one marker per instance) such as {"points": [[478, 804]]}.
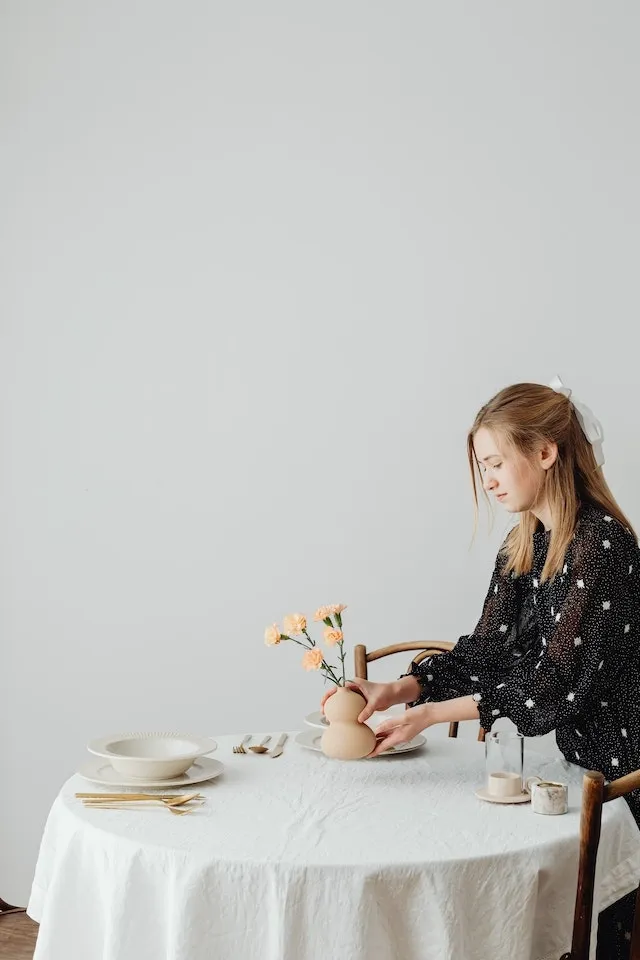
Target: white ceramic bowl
{"points": [[151, 756]]}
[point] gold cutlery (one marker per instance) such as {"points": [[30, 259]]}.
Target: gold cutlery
{"points": [[119, 805], [260, 748], [277, 750], [241, 746], [170, 800], [137, 796], [173, 803]]}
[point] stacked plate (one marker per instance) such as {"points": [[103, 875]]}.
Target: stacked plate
{"points": [[151, 760], [311, 738]]}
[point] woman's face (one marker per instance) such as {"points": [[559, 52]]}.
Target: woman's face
{"points": [[510, 477]]}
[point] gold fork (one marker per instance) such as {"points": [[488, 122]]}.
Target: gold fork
{"points": [[240, 748], [175, 800], [118, 805]]}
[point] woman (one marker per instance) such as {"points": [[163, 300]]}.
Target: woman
{"points": [[557, 645]]}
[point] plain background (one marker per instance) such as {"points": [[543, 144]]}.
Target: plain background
{"points": [[260, 264]]}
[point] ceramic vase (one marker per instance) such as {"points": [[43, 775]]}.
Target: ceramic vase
{"points": [[345, 738]]}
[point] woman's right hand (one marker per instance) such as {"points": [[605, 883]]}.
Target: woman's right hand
{"points": [[379, 696]]}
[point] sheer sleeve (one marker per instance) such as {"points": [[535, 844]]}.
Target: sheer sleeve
{"points": [[477, 658], [590, 636]]}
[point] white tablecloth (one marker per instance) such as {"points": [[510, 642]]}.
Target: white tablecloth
{"points": [[304, 858]]}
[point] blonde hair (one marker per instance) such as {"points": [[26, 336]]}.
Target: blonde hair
{"points": [[524, 417]]}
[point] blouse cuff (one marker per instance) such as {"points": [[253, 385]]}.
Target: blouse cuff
{"points": [[421, 672], [488, 711]]}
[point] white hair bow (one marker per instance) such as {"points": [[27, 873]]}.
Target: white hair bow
{"points": [[591, 426]]}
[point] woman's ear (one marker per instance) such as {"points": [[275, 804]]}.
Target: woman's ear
{"points": [[548, 454]]}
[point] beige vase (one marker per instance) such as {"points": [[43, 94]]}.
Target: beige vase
{"points": [[345, 738]]}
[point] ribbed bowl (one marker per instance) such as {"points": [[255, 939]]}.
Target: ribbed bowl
{"points": [[151, 756]]}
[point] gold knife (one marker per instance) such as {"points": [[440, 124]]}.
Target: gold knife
{"points": [[277, 750]]}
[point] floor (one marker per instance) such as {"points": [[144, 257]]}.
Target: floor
{"points": [[17, 937]]}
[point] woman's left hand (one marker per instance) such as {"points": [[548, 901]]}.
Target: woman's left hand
{"points": [[401, 729]]}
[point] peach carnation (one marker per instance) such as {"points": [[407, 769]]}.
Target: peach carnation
{"points": [[295, 623], [322, 613], [312, 659], [272, 635]]}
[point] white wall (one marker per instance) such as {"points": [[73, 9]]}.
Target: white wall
{"points": [[260, 265]]}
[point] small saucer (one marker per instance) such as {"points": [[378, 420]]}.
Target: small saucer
{"points": [[484, 794]]}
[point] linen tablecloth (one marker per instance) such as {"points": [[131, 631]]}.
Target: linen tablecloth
{"points": [[305, 858]]}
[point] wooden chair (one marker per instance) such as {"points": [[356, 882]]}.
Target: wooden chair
{"points": [[362, 658], [6, 908], [594, 794]]}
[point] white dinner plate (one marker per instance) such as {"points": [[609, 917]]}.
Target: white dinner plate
{"points": [[100, 772], [311, 740], [317, 719]]}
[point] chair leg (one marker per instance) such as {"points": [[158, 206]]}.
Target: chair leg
{"points": [[481, 735], [453, 728], [9, 908]]}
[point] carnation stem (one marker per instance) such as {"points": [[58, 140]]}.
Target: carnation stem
{"points": [[299, 642], [324, 665], [335, 679]]}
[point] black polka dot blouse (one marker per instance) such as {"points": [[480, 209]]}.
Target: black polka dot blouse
{"points": [[563, 654]]}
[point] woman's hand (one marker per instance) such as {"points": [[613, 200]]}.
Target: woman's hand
{"points": [[402, 728], [379, 696]]}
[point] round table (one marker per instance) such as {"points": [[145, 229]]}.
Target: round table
{"points": [[304, 858]]}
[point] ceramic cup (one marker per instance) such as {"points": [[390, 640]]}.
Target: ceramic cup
{"points": [[548, 797], [504, 783]]}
